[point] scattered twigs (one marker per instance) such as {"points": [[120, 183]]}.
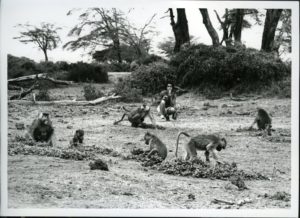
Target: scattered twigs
{"points": [[67, 102], [222, 201]]}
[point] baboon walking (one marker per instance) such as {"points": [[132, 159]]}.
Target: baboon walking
{"points": [[137, 116], [208, 143]]}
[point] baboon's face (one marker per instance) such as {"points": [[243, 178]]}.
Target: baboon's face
{"points": [[147, 138], [44, 118], [222, 144], [165, 97]]}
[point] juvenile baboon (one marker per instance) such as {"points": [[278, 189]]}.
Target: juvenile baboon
{"points": [[208, 143], [156, 145], [77, 138], [263, 121], [41, 129], [137, 116]]}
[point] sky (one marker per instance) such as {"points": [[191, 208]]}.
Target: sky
{"points": [[34, 12]]}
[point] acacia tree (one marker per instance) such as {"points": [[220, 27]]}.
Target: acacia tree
{"points": [[108, 28], [138, 38], [45, 36], [180, 28], [210, 29], [271, 21], [97, 27]]}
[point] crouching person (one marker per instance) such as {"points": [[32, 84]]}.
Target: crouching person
{"points": [[167, 106]]}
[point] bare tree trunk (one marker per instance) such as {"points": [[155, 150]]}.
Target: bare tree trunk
{"points": [[225, 28], [118, 49], [237, 32], [211, 30], [46, 56], [180, 28], [271, 21]]}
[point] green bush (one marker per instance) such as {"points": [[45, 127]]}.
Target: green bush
{"points": [[117, 67], [90, 92], [84, 72], [150, 59], [227, 68], [153, 78], [128, 91], [20, 66], [43, 94]]}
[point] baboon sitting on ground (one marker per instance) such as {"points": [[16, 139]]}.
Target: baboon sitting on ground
{"points": [[41, 129]]}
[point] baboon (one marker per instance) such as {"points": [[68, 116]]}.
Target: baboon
{"points": [[207, 143], [263, 121], [156, 145], [41, 129], [137, 116], [77, 138]]}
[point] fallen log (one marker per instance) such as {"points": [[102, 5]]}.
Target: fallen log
{"points": [[38, 76], [23, 93], [66, 102]]}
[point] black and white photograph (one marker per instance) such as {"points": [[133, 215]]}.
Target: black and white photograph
{"points": [[149, 108]]}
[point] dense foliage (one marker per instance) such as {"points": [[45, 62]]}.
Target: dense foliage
{"points": [[78, 72], [84, 72], [227, 67], [90, 92]]}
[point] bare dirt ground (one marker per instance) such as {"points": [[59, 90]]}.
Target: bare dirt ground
{"points": [[48, 182]]}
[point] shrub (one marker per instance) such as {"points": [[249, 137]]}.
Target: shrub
{"points": [[153, 78], [117, 67], [150, 59], [84, 72], [90, 92], [129, 93], [43, 94], [20, 66], [227, 67]]}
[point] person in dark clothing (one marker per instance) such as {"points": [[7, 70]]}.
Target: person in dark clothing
{"points": [[167, 105]]}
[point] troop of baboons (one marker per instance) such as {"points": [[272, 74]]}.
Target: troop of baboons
{"points": [[42, 130]]}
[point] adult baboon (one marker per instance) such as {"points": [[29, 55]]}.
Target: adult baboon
{"points": [[208, 143], [77, 138], [137, 116], [41, 129], [156, 145], [263, 121]]}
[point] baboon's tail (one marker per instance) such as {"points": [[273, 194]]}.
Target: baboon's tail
{"points": [[177, 141], [123, 107]]}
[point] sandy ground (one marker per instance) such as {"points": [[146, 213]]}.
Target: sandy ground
{"points": [[48, 182]]}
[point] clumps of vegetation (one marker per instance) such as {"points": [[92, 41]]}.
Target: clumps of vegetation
{"points": [[22, 148], [43, 94], [84, 72], [228, 68], [201, 169], [128, 91], [281, 196], [90, 92], [98, 165], [197, 168], [142, 156]]}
